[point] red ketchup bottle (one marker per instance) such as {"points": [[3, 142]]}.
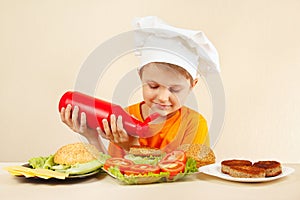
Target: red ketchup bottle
{"points": [[96, 110]]}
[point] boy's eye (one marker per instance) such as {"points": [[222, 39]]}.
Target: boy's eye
{"points": [[174, 90], [153, 86]]}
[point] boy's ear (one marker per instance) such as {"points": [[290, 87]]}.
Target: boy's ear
{"points": [[195, 81]]}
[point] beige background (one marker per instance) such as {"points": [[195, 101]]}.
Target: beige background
{"points": [[44, 43]]}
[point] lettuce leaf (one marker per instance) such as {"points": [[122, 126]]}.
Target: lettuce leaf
{"points": [[49, 163], [84, 168], [151, 160], [45, 162], [190, 166], [137, 179]]}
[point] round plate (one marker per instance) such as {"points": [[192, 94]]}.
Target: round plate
{"points": [[215, 170]]}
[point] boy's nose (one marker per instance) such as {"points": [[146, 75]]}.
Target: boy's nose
{"points": [[163, 95]]}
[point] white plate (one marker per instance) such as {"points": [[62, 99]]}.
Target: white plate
{"points": [[215, 170]]}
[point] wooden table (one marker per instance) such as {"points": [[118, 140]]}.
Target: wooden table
{"points": [[102, 186]]}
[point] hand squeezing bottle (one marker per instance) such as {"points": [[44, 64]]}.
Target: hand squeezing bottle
{"points": [[96, 110]]}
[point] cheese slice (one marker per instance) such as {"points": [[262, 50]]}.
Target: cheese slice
{"points": [[20, 170], [46, 174], [15, 173], [28, 172]]}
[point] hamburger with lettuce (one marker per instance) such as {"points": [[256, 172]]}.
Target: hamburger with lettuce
{"points": [[72, 159]]}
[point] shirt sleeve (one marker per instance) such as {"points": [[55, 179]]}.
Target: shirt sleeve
{"points": [[196, 130]]}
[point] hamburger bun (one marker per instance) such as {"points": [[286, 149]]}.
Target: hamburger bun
{"points": [[71, 154], [199, 152]]}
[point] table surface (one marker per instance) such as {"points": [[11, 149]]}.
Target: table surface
{"points": [[102, 186]]}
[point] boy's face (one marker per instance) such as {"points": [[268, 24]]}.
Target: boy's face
{"points": [[164, 89]]}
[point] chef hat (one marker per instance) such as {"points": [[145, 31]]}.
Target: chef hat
{"points": [[157, 41]]}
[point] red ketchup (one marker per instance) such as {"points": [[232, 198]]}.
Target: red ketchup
{"points": [[96, 110]]}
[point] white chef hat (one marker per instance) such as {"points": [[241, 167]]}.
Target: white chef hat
{"points": [[157, 41]]}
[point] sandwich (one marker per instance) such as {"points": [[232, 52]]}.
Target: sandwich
{"points": [[147, 165], [72, 159]]}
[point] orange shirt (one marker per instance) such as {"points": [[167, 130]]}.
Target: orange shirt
{"points": [[186, 126]]}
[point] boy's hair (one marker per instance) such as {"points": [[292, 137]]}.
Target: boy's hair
{"points": [[179, 69]]}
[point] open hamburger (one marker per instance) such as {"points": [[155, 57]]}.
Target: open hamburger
{"points": [[72, 159], [148, 165]]}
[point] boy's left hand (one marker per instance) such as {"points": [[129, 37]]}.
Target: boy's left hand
{"points": [[115, 132]]}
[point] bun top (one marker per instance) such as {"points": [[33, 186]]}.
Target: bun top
{"points": [[71, 154], [203, 154]]}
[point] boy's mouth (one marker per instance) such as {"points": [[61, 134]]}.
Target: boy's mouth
{"points": [[162, 106]]}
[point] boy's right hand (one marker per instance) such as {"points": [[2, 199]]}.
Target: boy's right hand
{"points": [[71, 120], [78, 126]]}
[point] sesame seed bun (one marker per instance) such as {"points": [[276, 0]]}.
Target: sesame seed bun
{"points": [[199, 152], [71, 154]]}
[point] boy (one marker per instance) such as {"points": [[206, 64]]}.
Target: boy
{"points": [[167, 80]]}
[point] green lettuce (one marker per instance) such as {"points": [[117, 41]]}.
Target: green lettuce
{"points": [[190, 166], [47, 162], [42, 162], [138, 179], [84, 168], [151, 160]]}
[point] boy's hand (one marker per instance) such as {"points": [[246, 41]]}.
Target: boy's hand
{"points": [[72, 121], [80, 126], [115, 132]]}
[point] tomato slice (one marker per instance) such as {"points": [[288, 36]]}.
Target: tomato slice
{"points": [[142, 169], [121, 163], [176, 155], [173, 167]]}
